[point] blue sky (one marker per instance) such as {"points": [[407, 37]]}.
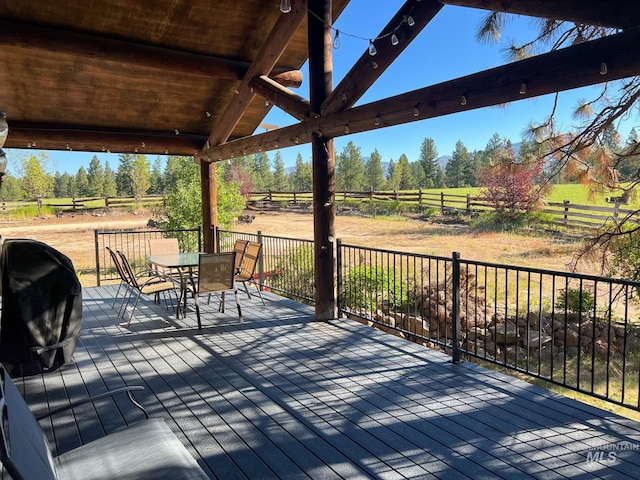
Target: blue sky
{"points": [[445, 49]]}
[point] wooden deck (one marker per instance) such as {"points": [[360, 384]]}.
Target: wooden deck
{"points": [[283, 396]]}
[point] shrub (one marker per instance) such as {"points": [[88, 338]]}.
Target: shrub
{"points": [[575, 300], [366, 286]]}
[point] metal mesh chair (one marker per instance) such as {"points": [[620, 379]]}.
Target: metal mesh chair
{"points": [[246, 273], [215, 274], [149, 287]]}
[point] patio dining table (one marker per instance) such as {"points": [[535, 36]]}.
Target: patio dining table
{"points": [[184, 264]]}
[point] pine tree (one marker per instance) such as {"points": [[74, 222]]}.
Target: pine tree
{"points": [[428, 161], [110, 187], [302, 176], [123, 174], [95, 177], [350, 169], [403, 173], [280, 180], [374, 174], [82, 188], [457, 167]]}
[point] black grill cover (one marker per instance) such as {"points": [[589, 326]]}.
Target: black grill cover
{"points": [[41, 307]]}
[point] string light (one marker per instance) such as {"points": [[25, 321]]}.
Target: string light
{"points": [[143, 145], [416, 112], [374, 65], [394, 39], [372, 48], [177, 132], [29, 145], [336, 40], [285, 6], [266, 103], [34, 144], [523, 88], [208, 114], [166, 151], [346, 128], [603, 68], [135, 149], [103, 148], [410, 21], [295, 140], [463, 100], [377, 121]]}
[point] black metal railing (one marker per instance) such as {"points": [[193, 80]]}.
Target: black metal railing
{"points": [[578, 331], [134, 243], [285, 265]]}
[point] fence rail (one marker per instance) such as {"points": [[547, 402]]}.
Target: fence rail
{"points": [[81, 204], [563, 213]]}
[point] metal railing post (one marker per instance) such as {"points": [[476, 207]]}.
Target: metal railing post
{"points": [[455, 309], [261, 262], [95, 236], [339, 296]]}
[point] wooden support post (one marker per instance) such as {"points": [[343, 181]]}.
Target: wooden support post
{"points": [[209, 205], [323, 160]]}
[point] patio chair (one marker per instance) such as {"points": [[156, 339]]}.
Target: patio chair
{"points": [[215, 274], [239, 247], [146, 450], [246, 273], [153, 286], [160, 246], [125, 282]]}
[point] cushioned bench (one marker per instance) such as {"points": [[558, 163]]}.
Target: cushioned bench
{"points": [[146, 450]]}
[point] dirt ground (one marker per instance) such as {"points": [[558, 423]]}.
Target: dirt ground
{"points": [[74, 236]]}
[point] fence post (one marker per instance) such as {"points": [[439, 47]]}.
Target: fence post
{"points": [[420, 196], [441, 202], [261, 262], [455, 309], [468, 203], [566, 212], [95, 236]]}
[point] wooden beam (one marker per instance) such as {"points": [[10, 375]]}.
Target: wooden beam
{"points": [[66, 137], [209, 192], [606, 13], [369, 68], [29, 36], [565, 69], [323, 161], [282, 97], [273, 47]]}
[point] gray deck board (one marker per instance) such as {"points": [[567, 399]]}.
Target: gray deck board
{"points": [[283, 396]]}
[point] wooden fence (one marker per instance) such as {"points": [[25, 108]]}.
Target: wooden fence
{"points": [[564, 213], [81, 204]]}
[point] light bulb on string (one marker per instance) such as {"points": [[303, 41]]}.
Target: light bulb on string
{"points": [[33, 144], [463, 100], [336, 40], [394, 40], [372, 48], [523, 88], [177, 132], [285, 6], [377, 121], [410, 21], [346, 129], [374, 65], [416, 112], [603, 68]]}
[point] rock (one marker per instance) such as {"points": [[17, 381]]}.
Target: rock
{"points": [[506, 333]]}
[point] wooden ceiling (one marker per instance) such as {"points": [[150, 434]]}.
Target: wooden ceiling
{"points": [[191, 76], [149, 75]]}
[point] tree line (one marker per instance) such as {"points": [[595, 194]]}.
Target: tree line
{"points": [[135, 175]]}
